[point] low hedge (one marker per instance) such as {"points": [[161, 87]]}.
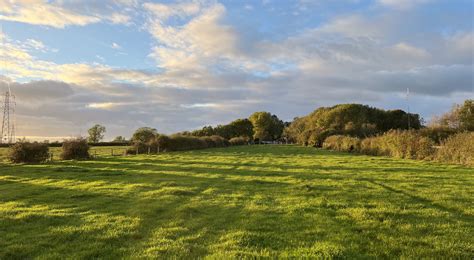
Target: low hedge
{"points": [[163, 143]]}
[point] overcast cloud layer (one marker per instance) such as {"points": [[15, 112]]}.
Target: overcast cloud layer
{"points": [[182, 65]]}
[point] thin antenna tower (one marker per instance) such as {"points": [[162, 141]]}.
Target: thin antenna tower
{"points": [[408, 108], [7, 134]]}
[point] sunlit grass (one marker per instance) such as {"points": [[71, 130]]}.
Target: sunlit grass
{"points": [[248, 201]]}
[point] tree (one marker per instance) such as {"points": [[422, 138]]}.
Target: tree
{"points": [[119, 139], [96, 133], [144, 135], [347, 119], [262, 123], [461, 117], [466, 115]]}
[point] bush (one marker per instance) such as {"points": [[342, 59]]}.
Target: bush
{"points": [[438, 134], [241, 140], [26, 152], [369, 146], [458, 148], [408, 144], [342, 143], [75, 149]]}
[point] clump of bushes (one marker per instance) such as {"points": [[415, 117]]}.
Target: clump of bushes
{"points": [[408, 144], [75, 149], [438, 134], [241, 140], [342, 143], [26, 152], [458, 148]]}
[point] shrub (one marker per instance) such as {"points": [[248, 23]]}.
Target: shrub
{"points": [[241, 140], [75, 149], [26, 152], [438, 134], [369, 146], [408, 144], [458, 148], [342, 143]]}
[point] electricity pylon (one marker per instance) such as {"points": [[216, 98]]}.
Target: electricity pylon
{"points": [[8, 121]]}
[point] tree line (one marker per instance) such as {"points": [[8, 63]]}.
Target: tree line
{"points": [[355, 120]]}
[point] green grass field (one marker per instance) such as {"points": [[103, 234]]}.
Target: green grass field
{"points": [[249, 201]]}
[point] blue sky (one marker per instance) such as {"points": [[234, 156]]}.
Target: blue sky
{"points": [[180, 65]]}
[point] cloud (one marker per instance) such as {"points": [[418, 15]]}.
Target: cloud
{"points": [[209, 70], [35, 93], [402, 4], [116, 46], [60, 14]]}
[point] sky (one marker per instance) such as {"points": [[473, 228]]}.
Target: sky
{"points": [[181, 65]]}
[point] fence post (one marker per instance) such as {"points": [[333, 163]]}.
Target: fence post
{"points": [[149, 148], [137, 151], [51, 156], [112, 151]]}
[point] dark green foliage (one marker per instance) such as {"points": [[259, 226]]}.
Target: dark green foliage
{"points": [[347, 119], [26, 152], [266, 127], [236, 128], [183, 143], [144, 135], [75, 149], [438, 134], [458, 148]]}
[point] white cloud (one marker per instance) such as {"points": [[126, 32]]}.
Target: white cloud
{"points": [[60, 14], [116, 46], [402, 4], [211, 71]]}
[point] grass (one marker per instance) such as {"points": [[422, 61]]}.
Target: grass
{"points": [[238, 202]]}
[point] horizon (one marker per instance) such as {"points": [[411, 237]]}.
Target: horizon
{"points": [[182, 65]]}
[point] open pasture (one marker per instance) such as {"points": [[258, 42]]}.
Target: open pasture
{"points": [[248, 201]]}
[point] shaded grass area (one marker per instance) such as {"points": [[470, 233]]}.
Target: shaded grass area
{"points": [[249, 201]]}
